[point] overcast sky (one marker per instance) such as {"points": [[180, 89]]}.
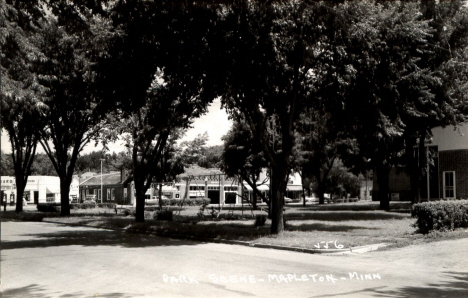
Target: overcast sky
{"points": [[215, 122]]}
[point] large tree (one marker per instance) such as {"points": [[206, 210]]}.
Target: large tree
{"points": [[160, 78], [20, 91], [271, 61], [322, 142], [72, 44], [433, 95], [243, 157], [381, 54], [403, 83]]}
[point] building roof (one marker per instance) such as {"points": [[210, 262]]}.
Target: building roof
{"points": [[107, 179], [195, 170]]}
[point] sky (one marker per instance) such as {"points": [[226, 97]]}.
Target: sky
{"points": [[215, 122]]}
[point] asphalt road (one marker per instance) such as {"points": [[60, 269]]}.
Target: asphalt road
{"points": [[49, 260]]}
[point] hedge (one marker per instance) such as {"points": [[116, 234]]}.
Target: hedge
{"points": [[55, 207], [187, 202], [48, 207], [440, 215]]}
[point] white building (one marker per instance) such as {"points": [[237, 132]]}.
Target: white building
{"points": [[39, 189]]}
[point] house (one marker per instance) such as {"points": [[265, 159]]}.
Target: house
{"points": [[112, 185], [448, 174]]}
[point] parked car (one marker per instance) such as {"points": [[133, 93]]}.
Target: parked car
{"points": [[153, 201], [287, 200], [311, 199], [90, 199]]}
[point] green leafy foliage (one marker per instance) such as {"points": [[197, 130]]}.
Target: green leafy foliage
{"points": [[440, 215], [42, 166]]}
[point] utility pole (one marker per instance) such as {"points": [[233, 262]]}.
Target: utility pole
{"points": [[102, 194]]}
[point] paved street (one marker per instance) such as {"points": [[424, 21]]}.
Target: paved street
{"points": [[49, 260]]}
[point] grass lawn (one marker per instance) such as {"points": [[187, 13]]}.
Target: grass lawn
{"points": [[305, 227]]}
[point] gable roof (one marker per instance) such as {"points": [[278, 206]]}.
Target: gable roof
{"points": [[107, 179]]}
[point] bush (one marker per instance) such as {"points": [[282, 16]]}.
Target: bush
{"points": [[48, 207], [83, 206], [187, 202], [129, 211], [440, 215], [164, 215], [106, 205], [260, 220]]}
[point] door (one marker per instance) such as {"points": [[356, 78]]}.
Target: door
{"points": [[36, 197], [213, 195], [449, 185]]}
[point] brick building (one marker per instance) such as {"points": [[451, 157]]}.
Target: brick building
{"points": [[113, 186], [448, 178]]}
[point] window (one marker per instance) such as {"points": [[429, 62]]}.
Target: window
{"points": [[197, 188], [449, 185], [230, 188]]}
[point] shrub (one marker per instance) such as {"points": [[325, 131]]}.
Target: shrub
{"points": [[187, 202], [48, 207], [440, 215], [106, 205], [128, 212], [260, 220], [164, 215]]}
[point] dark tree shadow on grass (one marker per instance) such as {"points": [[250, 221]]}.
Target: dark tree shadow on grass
{"points": [[456, 287], [344, 215], [93, 238], [325, 227], [36, 291]]}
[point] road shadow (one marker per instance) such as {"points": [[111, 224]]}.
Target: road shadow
{"points": [[351, 294], [345, 215], [325, 227], [37, 291], [90, 237], [456, 287]]}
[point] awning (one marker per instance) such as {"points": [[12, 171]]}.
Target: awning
{"points": [[262, 187], [167, 188], [52, 189], [294, 188]]}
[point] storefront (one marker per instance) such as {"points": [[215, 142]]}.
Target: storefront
{"points": [[39, 189]]}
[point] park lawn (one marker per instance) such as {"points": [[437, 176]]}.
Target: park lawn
{"points": [[304, 228]]}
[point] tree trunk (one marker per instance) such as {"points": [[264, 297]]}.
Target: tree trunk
{"points": [[160, 197], [65, 197], [383, 177], [303, 190], [320, 191], [421, 169], [140, 205], [278, 184], [20, 186], [254, 199], [412, 167]]}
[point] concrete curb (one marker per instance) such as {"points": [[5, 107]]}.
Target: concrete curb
{"points": [[331, 251]]}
